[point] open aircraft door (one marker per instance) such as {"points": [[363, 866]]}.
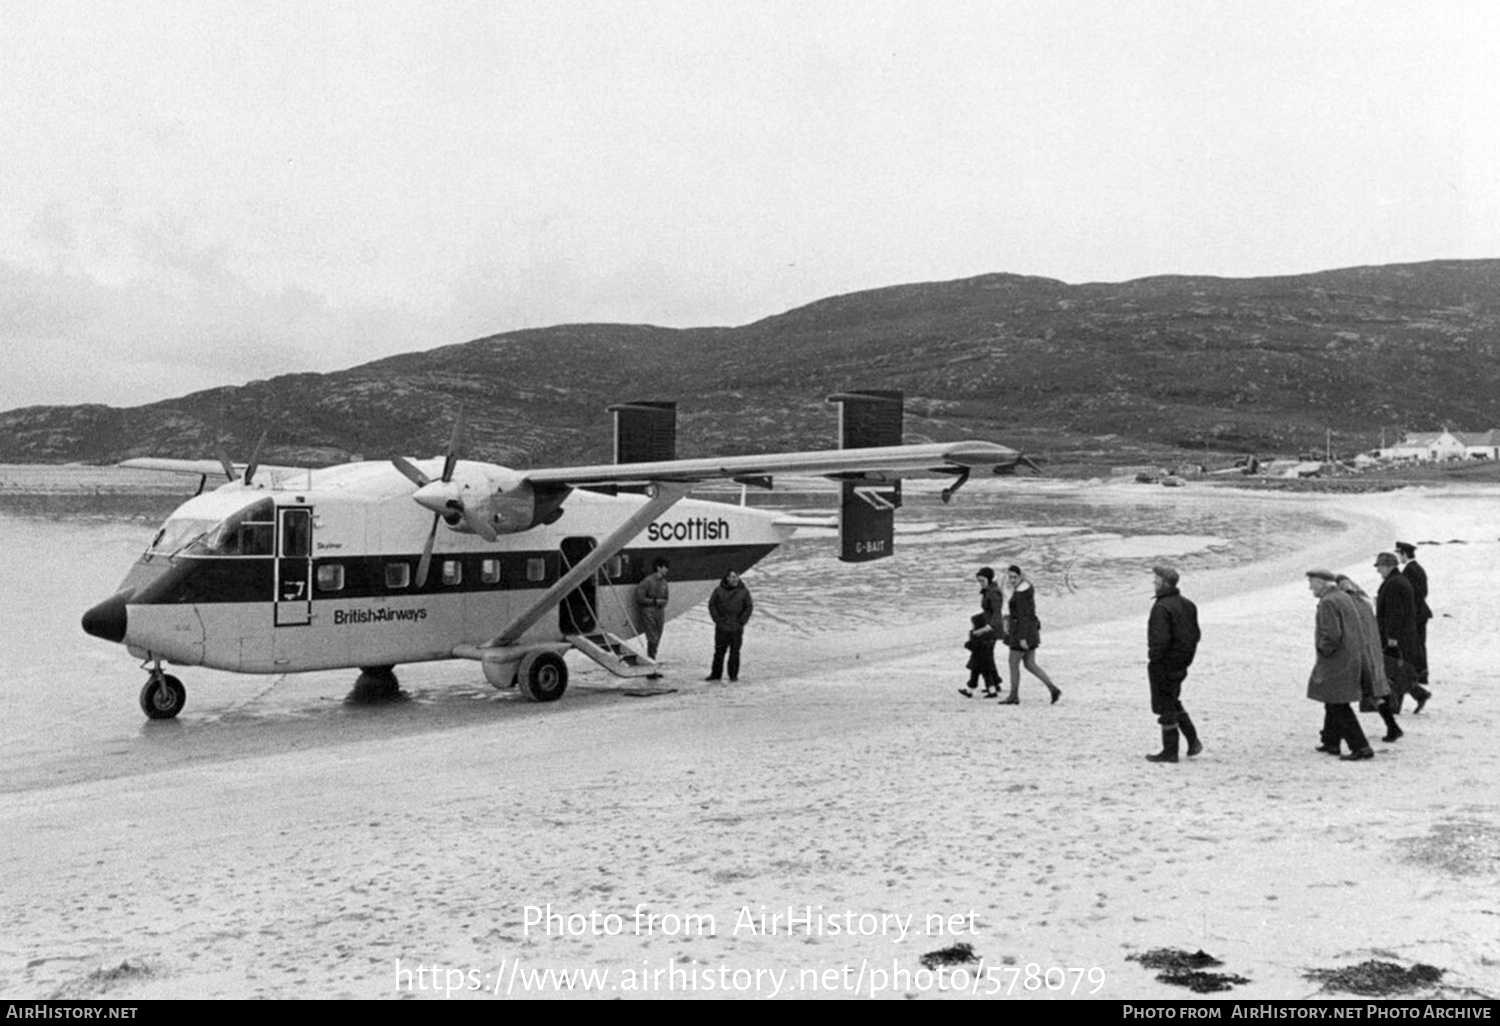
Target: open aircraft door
{"points": [[294, 567], [576, 612]]}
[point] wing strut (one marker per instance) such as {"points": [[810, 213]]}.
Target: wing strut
{"points": [[667, 495]]}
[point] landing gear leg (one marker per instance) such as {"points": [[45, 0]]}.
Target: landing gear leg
{"points": [[163, 696]]}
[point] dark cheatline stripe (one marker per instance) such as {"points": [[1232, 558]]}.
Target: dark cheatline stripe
{"points": [[196, 579]]}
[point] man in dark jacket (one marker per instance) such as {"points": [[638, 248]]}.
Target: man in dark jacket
{"points": [[1396, 615], [730, 606], [651, 598], [1413, 572], [1171, 642]]}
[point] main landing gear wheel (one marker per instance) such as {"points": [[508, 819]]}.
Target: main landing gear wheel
{"points": [[376, 684], [163, 697], [542, 677]]}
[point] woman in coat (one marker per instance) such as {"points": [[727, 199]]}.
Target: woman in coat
{"points": [[1374, 685], [1339, 667], [1024, 636]]}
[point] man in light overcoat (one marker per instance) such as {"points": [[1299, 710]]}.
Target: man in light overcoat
{"points": [[1340, 664]]}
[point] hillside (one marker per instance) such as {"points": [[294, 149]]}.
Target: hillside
{"points": [[1096, 372]]}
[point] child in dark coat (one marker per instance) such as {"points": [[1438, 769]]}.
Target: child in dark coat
{"points": [[978, 648]]}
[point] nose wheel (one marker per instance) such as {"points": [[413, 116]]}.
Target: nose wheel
{"points": [[163, 696]]}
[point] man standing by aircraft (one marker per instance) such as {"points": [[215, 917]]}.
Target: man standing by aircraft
{"points": [[730, 606], [651, 603]]}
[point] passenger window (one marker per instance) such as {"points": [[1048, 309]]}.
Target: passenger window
{"points": [[331, 577], [536, 569], [614, 569], [453, 572], [489, 571], [397, 575]]}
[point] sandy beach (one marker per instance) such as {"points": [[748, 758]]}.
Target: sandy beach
{"points": [[815, 829]]}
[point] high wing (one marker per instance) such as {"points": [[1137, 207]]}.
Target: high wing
{"points": [[197, 468], [876, 464], [870, 477], [207, 468]]}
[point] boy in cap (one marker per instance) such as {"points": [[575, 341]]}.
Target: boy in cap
{"points": [[1172, 637]]}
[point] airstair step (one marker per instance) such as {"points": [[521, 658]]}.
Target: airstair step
{"points": [[614, 654]]}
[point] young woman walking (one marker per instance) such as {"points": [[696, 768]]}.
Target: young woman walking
{"points": [[1024, 636]]}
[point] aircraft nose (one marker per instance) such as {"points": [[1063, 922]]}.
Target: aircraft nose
{"points": [[107, 619]]}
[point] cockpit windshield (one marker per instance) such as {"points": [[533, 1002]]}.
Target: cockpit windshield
{"points": [[246, 532]]}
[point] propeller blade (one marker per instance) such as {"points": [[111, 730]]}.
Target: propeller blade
{"points": [[409, 469], [425, 563], [455, 446], [225, 461], [255, 458]]}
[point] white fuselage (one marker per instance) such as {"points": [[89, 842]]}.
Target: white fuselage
{"points": [[318, 570]]}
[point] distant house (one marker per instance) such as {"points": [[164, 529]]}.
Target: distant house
{"points": [[1445, 445], [1482, 445]]}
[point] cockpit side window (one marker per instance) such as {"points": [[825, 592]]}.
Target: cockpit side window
{"points": [[246, 532]]}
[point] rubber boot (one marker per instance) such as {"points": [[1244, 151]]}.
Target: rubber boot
{"points": [[1168, 751], [1392, 731], [1422, 695], [1189, 734]]}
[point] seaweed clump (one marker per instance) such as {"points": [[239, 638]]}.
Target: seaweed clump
{"points": [[1186, 969], [959, 954], [1373, 978]]}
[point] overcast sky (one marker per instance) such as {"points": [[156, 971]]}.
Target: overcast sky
{"points": [[196, 194]]}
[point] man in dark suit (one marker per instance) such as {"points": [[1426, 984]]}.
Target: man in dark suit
{"points": [[1413, 572], [1396, 616]]}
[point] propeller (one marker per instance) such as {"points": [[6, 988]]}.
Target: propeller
{"points": [[250, 468], [443, 497], [255, 458]]}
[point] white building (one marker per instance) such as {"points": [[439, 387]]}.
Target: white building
{"points": [[1482, 445], [1445, 445]]}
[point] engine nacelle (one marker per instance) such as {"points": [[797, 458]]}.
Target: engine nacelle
{"points": [[522, 507], [508, 504], [490, 503]]}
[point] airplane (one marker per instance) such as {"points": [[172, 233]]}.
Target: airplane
{"points": [[377, 563]]}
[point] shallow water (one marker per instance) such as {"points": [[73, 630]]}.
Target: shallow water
{"points": [[72, 698], [1082, 547]]}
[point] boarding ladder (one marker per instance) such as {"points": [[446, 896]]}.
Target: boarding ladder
{"points": [[614, 654]]}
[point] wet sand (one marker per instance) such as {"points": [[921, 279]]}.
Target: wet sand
{"points": [[842, 780]]}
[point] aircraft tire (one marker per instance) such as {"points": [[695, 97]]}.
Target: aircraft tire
{"points": [[163, 698], [542, 677]]}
